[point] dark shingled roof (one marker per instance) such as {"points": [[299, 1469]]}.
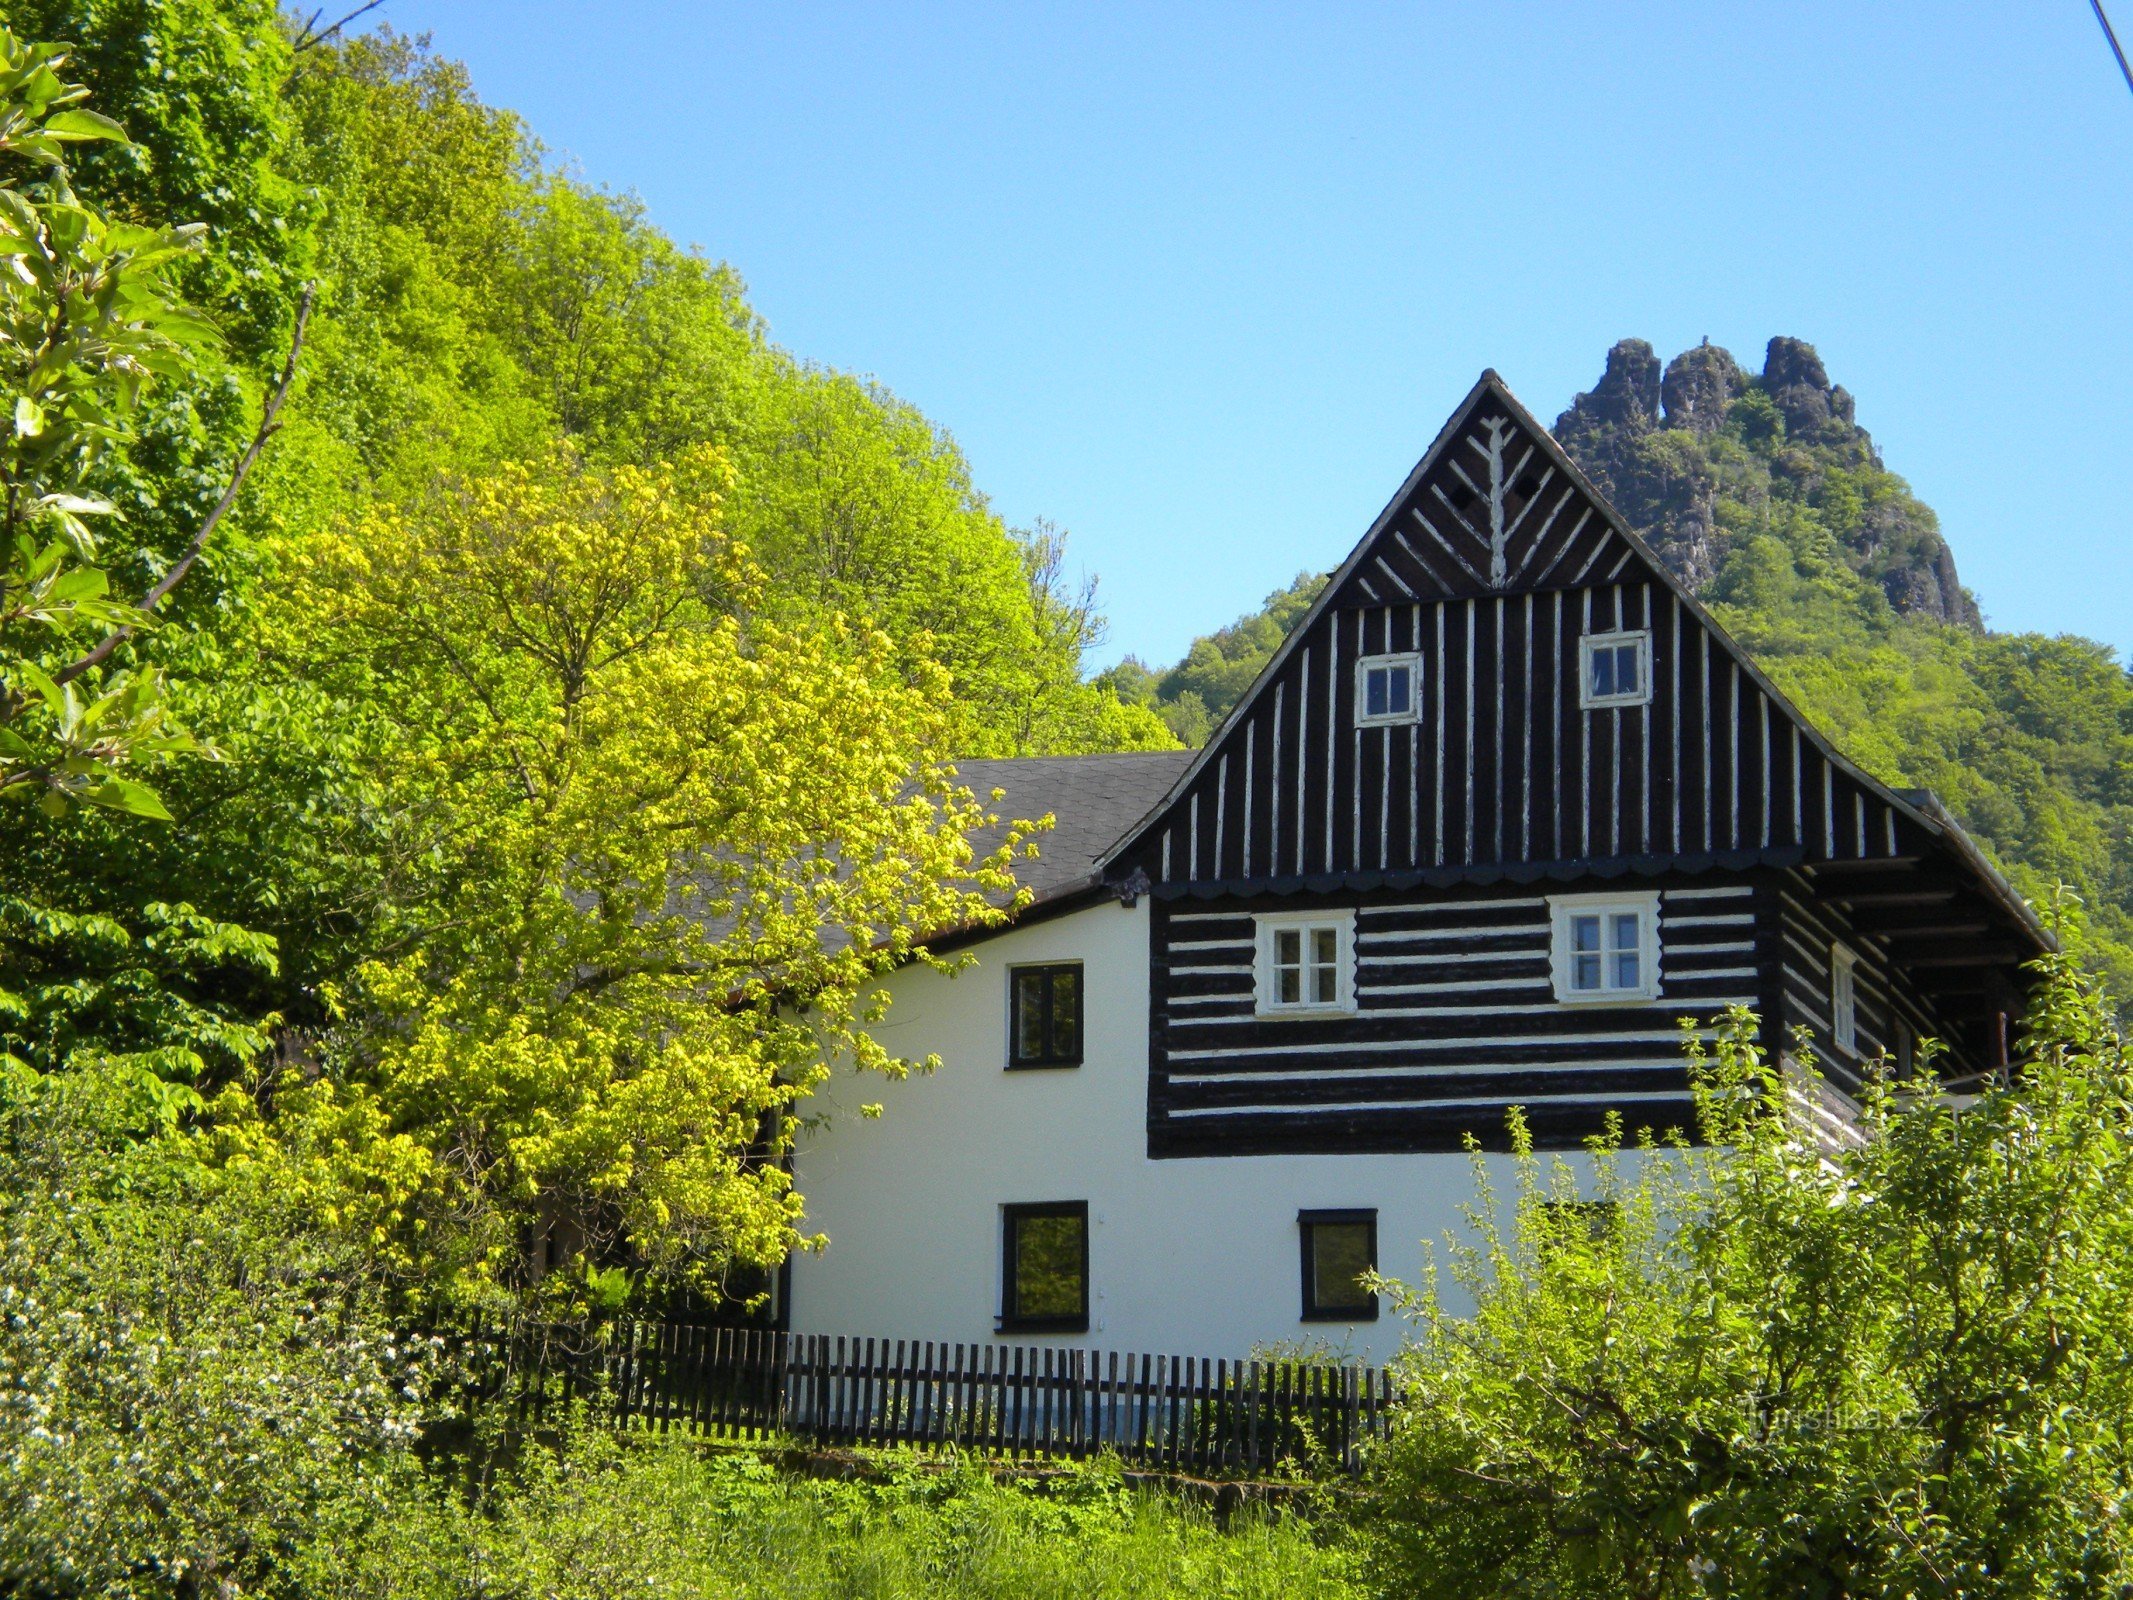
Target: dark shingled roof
{"points": [[1093, 800]]}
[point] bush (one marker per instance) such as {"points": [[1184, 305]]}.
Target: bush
{"points": [[190, 1390], [1771, 1369]]}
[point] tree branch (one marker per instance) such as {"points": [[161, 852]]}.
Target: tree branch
{"points": [[269, 425], [311, 36]]}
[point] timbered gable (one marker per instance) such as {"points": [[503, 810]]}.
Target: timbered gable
{"points": [[1490, 570]]}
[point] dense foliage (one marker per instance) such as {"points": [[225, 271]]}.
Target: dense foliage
{"points": [[1769, 1368], [194, 1381]]}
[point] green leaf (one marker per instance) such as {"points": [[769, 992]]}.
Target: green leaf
{"points": [[78, 125], [54, 697], [123, 794], [82, 583], [79, 505], [29, 417]]}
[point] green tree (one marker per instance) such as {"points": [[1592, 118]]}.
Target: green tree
{"points": [[1765, 1367], [88, 322]]}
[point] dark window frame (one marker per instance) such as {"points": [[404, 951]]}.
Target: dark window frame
{"points": [[1010, 1215], [1307, 1223], [1016, 1061]]}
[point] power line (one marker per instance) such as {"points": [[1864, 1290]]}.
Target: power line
{"points": [[2097, 7]]}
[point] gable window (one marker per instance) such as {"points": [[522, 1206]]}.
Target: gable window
{"points": [[1616, 669], [1843, 999], [1306, 963], [1388, 690], [1605, 947], [1044, 1015], [1339, 1248], [1044, 1267]]}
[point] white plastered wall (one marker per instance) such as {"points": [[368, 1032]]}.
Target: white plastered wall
{"points": [[1187, 1257]]}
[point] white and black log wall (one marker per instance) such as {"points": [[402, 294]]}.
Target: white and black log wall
{"points": [[1504, 783], [1456, 1020]]}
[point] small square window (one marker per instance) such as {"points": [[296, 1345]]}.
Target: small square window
{"points": [[1617, 669], [1606, 947], [1305, 962], [1044, 1015], [1339, 1249], [1843, 999], [1387, 690], [1044, 1267]]}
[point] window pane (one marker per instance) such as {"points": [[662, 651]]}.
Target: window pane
{"points": [[1048, 1266], [1625, 933], [1584, 933], [1377, 690], [1029, 1016], [1629, 674], [1603, 673], [1325, 966], [1066, 1015], [1400, 695], [1626, 969], [1585, 972], [1340, 1255], [1288, 947]]}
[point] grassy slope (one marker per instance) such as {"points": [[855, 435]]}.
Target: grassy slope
{"points": [[663, 1517]]}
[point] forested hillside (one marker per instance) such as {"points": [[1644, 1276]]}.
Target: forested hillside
{"points": [[1775, 507], [477, 306], [566, 617]]}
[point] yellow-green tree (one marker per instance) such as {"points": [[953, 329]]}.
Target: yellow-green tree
{"points": [[657, 846]]}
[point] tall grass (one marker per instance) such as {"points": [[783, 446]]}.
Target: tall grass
{"points": [[602, 1517]]}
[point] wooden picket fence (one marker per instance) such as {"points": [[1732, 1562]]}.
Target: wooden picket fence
{"points": [[1168, 1413]]}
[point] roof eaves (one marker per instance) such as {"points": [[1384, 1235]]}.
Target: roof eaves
{"points": [[1966, 850], [1053, 902]]}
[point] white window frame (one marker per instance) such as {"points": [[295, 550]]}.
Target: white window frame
{"points": [[1562, 907], [1844, 998], [1264, 987], [1363, 667], [1642, 639]]}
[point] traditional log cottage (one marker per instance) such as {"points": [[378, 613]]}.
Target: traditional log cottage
{"points": [[1505, 807]]}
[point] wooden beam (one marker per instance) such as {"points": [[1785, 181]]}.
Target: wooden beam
{"points": [[1894, 897], [1870, 865], [1997, 955], [1925, 925]]}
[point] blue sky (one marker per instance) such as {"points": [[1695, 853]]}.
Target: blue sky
{"points": [[1200, 283]]}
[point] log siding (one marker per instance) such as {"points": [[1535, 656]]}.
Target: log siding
{"points": [[1456, 1021]]}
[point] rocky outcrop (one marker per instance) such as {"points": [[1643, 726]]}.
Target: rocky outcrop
{"points": [[1697, 455], [1699, 385]]}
